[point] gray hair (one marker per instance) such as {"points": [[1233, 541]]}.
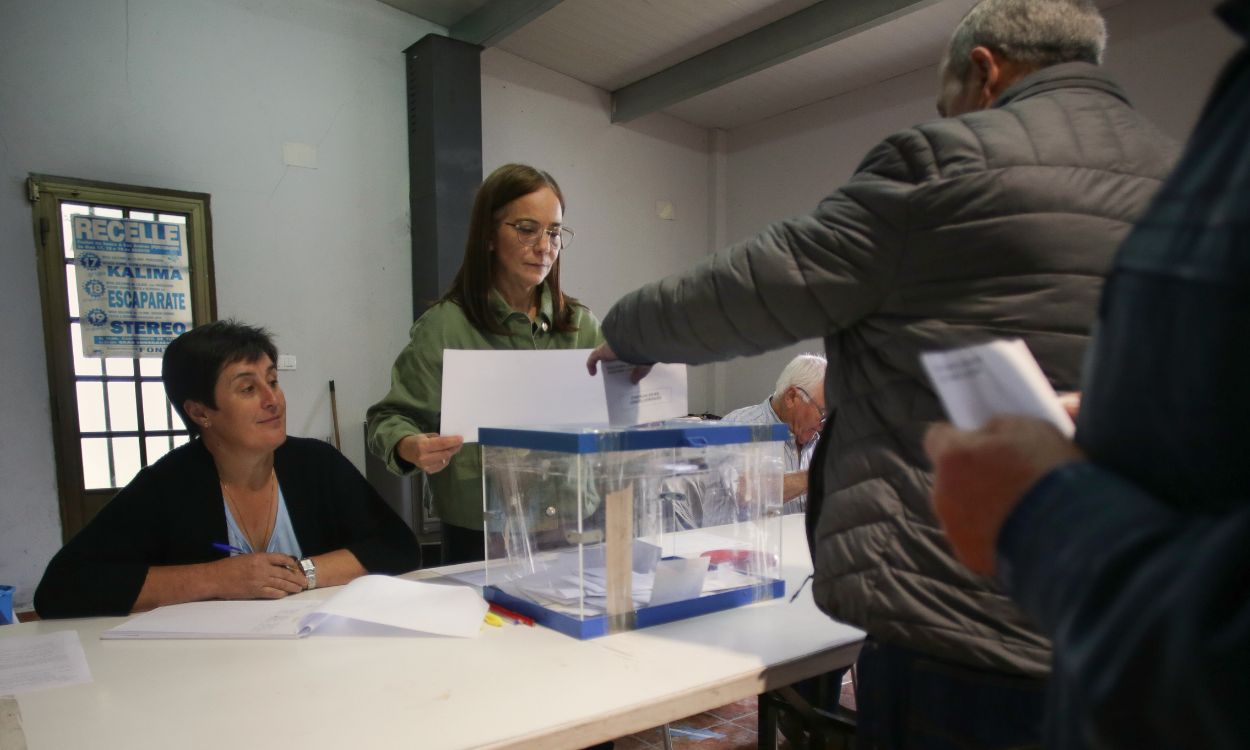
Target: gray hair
{"points": [[1036, 32], [807, 371]]}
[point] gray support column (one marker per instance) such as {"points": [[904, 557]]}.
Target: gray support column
{"points": [[444, 158]]}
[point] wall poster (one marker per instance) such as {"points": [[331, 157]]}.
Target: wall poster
{"points": [[134, 285]]}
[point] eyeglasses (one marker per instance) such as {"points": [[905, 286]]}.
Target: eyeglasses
{"points": [[528, 233], [824, 413]]}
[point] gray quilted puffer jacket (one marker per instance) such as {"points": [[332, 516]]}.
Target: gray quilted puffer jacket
{"points": [[999, 223]]}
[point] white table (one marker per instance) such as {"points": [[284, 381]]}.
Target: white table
{"points": [[512, 687]]}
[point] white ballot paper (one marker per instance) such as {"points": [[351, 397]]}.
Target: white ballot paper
{"points": [[522, 388], [365, 602], [678, 579], [39, 662], [976, 383], [660, 396]]}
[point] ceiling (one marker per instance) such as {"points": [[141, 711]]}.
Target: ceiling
{"points": [[714, 63]]}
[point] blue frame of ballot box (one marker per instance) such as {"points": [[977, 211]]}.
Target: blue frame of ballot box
{"points": [[596, 440], [593, 627], [601, 439]]}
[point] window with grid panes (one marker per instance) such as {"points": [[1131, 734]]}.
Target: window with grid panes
{"points": [[111, 414], [124, 419]]}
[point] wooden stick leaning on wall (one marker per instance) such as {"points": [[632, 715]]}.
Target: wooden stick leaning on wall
{"points": [[334, 415]]}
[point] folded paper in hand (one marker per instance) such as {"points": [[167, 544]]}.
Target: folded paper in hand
{"points": [[364, 603], [977, 383]]}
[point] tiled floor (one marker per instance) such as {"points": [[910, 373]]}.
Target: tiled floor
{"points": [[731, 727]]}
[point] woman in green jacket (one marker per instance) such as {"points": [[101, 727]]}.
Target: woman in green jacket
{"points": [[506, 295]]}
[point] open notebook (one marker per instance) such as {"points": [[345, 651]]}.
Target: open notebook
{"points": [[358, 608]]}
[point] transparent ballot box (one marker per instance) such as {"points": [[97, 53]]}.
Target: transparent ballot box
{"points": [[593, 531]]}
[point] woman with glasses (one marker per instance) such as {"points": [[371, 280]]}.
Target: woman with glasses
{"points": [[506, 295]]}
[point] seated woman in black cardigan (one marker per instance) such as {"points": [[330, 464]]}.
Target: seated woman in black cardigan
{"points": [[296, 513]]}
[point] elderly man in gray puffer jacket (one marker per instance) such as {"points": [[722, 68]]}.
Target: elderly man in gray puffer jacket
{"points": [[999, 220]]}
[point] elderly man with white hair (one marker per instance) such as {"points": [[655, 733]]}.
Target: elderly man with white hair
{"points": [[798, 402], [999, 219]]}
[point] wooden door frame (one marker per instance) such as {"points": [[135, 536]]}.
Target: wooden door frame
{"points": [[46, 193]]}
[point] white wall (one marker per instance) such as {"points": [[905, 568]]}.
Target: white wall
{"points": [[611, 175], [200, 95], [1165, 53]]}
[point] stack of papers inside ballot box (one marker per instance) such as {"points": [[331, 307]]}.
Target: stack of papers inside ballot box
{"points": [[661, 581]]}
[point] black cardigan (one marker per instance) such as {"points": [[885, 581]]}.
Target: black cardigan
{"points": [[172, 513]]}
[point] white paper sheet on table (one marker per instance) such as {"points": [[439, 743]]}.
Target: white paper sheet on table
{"points": [[475, 578], [39, 662], [522, 388], [369, 600], [979, 382]]}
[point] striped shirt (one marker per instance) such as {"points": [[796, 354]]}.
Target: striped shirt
{"points": [[797, 459]]}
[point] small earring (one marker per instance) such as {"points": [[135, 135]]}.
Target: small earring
{"points": [[208, 423]]}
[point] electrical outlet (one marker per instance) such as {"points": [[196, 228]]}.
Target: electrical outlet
{"points": [[286, 361]]}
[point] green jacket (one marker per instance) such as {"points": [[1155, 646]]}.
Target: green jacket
{"points": [[415, 400]]}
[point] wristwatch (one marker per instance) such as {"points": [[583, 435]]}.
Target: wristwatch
{"points": [[310, 571]]}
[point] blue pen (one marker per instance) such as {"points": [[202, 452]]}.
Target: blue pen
{"points": [[228, 548]]}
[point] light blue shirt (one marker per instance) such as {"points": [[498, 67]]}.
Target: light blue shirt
{"points": [[282, 540], [796, 459]]}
